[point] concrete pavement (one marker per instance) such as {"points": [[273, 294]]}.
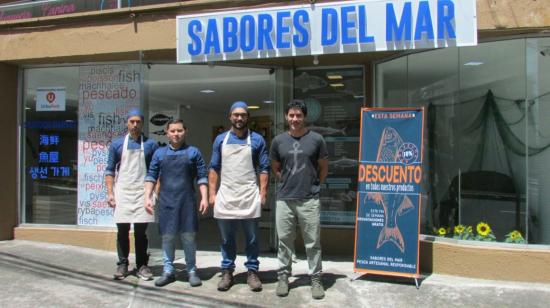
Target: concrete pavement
{"points": [[50, 275]]}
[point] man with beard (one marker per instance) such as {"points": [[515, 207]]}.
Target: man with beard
{"points": [[299, 159], [129, 158], [238, 156]]}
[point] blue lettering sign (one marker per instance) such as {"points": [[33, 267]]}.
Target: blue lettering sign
{"points": [[363, 37], [344, 27], [424, 22], [445, 17], [54, 139], [329, 26], [282, 29], [65, 171], [54, 158], [265, 27], [55, 171], [404, 26], [194, 48], [301, 38], [230, 26], [44, 140], [38, 172], [43, 157], [212, 39], [348, 25], [248, 33]]}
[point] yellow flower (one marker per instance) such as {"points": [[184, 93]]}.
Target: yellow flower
{"points": [[483, 229], [515, 235], [459, 229], [441, 231]]}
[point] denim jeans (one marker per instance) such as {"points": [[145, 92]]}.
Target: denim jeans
{"points": [[169, 251], [228, 227]]}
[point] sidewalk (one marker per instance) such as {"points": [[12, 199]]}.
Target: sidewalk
{"points": [[51, 275]]}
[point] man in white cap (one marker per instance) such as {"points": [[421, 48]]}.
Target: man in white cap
{"points": [[129, 158], [238, 156]]}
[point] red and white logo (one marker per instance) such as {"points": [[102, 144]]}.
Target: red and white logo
{"points": [[50, 97]]}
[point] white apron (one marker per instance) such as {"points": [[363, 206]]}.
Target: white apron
{"points": [[129, 186], [239, 194]]}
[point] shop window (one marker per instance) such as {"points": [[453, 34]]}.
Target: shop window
{"points": [[49, 163], [487, 142], [334, 97], [538, 138]]}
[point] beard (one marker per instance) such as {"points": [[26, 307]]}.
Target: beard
{"points": [[239, 125]]}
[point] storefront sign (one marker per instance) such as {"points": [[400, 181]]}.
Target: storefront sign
{"points": [[50, 99], [327, 28], [106, 94], [388, 205], [49, 159]]}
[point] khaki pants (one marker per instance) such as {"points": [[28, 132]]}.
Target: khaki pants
{"points": [[306, 213]]}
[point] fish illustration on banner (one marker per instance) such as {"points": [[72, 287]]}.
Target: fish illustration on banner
{"points": [[394, 205]]}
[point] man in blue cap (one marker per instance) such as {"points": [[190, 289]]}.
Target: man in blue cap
{"points": [[129, 158], [238, 156]]}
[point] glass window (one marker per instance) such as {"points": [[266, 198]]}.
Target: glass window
{"points": [[50, 145], [490, 162], [391, 82], [334, 97], [433, 83], [486, 137], [538, 138]]}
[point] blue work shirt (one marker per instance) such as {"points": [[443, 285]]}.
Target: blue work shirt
{"points": [[260, 156], [194, 155], [115, 152]]}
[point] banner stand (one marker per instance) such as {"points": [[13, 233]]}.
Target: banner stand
{"points": [[389, 193]]}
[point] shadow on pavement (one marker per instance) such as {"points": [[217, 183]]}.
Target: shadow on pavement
{"points": [[328, 279], [391, 279], [107, 285]]}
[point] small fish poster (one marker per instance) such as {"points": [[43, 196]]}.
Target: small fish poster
{"points": [[389, 191]]}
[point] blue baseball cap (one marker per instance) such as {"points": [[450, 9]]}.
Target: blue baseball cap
{"points": [[134, 112], [238, 104]]}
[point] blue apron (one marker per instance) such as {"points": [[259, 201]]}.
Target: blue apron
{"points": [[177, 209]]}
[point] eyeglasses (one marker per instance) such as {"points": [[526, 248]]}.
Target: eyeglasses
{"points": [[237, 115]]}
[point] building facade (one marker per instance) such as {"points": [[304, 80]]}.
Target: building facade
{"points": [[70, 69]]}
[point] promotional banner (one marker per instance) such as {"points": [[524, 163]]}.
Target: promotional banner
{"points": [[389, 192], [106, 93], [326, 28]]}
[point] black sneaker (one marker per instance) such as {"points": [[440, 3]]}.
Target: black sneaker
{"points": [[121, 272], [165, 279]]}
